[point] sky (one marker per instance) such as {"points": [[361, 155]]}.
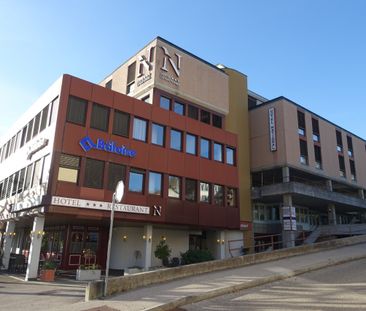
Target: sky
{"points": [[311, 51]]}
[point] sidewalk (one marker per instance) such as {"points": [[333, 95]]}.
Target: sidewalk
{"points": [[172, 294]]}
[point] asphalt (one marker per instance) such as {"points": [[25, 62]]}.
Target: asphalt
{"points": [[170, 295]]}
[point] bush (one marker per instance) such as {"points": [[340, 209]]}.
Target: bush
{"points": [[197, 255], [174, 262], [163, 252]]}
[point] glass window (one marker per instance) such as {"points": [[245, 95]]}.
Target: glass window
{"points": [[154, 183], [136, 181], [191, 143], [164, 102], [230, 156], [15, 183], [100, 117], [44, 118], [30, 129], [22, 141], [191, 190], [218, 195], [139, 129], [216, 121], [121, 123], [94, 170], [204, 192], [68, 168], [21, 180], [179, 108], [116, 172], [28, 177], [131, 73], [193, 112], [174, 187], [76, 110], [301, 123], [108, 85], [231, 197], [175, 140], [37, 120], [157, 134], [205, 148], [37, 173], [205, 117], [217, 152]]}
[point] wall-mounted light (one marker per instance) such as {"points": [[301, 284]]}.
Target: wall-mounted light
{"points": [[144, 237], [124, 238], [10, 234], [220, 241], [163, 237], [39, 234]]}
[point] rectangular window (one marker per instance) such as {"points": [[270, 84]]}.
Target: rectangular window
{"points": [[116, 172], [37, 121], [21, 180], [191, 144], [218, 195], [179, 108], [191, 190], [46, 169], [131, 73], [174, 187], [342, 170], [205, 148], [108, 85], [136, 180], [68, 168], [100, 117], [193, 112], [217, 152], [155, 183], [175, 140], [24, 132], [303, 152], [139, 129], [204, 192], [301, 123], [9, 186], [318, 157], [28, 176], [94, 171], [3, 189], [53, 111], [217, 121], [339, 141], [146, 99], [30, 129], [231, 197], [76, 110], [157, 134], [121, 123], [37, 173], [230, 156], [15, 183], [205, 117], [316, 135], [165, 103], [350, 146], [353, 169]]}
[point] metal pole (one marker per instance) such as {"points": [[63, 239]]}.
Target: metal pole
{"points": [[109, 246]]}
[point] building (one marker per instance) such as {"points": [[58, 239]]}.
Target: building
{"points": [[162, 122]]}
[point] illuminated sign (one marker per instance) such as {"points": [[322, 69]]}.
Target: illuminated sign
{"points": [[110, 146]]}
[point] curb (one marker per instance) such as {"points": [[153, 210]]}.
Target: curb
{"points": [[262, 281]]}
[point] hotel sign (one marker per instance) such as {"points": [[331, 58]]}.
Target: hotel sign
{"points": [[173, 63], [100, 205], [272, 129], [145, 67]]}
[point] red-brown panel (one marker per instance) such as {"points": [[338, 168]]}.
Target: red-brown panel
{"points": [[191, 166], [176, 163], [193, 126], [230, 139], [101, 95], [142, 109], [206, 170], [158, 159], [231, 176], [72, 135], [159, 115], [81, 88], [232, 217], [212, 216], [92, 193], [142, 154], [66, 189], [121, 103], [177, 121]]}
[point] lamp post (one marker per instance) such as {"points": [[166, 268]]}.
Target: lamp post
{"points": [[117, 197]]}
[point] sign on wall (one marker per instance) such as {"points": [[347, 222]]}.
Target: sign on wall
{"points": [[272, 129], [289, 218], [170, 70]]}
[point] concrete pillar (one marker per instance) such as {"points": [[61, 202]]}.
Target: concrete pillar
{"points": [[148, 231], [332, 219], [35, 248], [8, 241], [329, 185], [222, 244], [288, 236], [361, 194], [286, 174]]}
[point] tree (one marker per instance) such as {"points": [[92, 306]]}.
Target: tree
{"points": [[163, 252]]}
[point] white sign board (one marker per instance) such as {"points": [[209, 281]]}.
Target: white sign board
{"points": [[272, 129]]}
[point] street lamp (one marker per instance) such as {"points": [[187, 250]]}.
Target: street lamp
{"points": [[117, 197]]}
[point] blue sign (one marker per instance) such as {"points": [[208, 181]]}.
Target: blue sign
{"points": [[110, 146]]}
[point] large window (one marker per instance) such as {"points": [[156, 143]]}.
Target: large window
{"points": [[174, 187], [191, 190], [157, 134], [193, 112], [165, 103], [30, 129], [301, 123], [139, 129], [131, 73], [155, 183], [339, 141], [303, 152], [37, 173], [94, 170], [121, 123], [217, 152], [230, 156], [76, 110], [217, 121], [44, 118], [204, 192], [204, 148], [342, 169], [316, 134], [218, 195], [100, 117], [136, 180], [205, 117], [175, 140], [37, 120], [116, 172], [68, 168], [350, 146], [21, 180], [179, 108], [353, 169], [191, 144], [28, 176], [318, 157], [231, 197]]}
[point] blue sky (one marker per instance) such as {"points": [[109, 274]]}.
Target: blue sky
{"points": [[311, 51]]}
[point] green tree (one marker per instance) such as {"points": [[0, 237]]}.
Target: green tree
{"points": [[163, 252]]}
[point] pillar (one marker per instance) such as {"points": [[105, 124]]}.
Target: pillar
{"points": [[222, 244], [35, 248], [361, 194], [148, 231], [329, 185], [8, 241], [332, 220], [288, 236], [285, 174]]}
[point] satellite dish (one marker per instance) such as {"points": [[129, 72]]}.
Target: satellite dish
{"points": [[120, 189]]}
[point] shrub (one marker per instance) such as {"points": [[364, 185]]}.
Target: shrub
{"points": [[174, 262], [49, 265], [163, 252], [197, 255]]}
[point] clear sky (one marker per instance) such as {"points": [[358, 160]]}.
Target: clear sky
{"points": [[311, 51]]}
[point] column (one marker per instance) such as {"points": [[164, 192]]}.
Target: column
{"points": [[361, 194], [8, 241], [332, 220], [285, 174], [148, 230], [288, 235], [35, 248], [222, 244], [329, 185]]}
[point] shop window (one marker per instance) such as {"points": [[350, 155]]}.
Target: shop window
{"points": [[164, 102], [217, 152], [121, 123], [68, 168], [205, 148], [231, 197], [76, 110], [116, 172], [155, 183], [139, 129], [217, 121], [29, 131], [179, 108], [191, 190], [176, 140], [157, 134], [76, 245], [136, 180], [230, 156], [94, 171], [218, 195], [204, 192], [174, 187], [193, 112], [205, 117], [100, 117], [191, 144], [91, 241]]}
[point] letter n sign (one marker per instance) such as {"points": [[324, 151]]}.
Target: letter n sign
{"points": [[157, 210]]}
